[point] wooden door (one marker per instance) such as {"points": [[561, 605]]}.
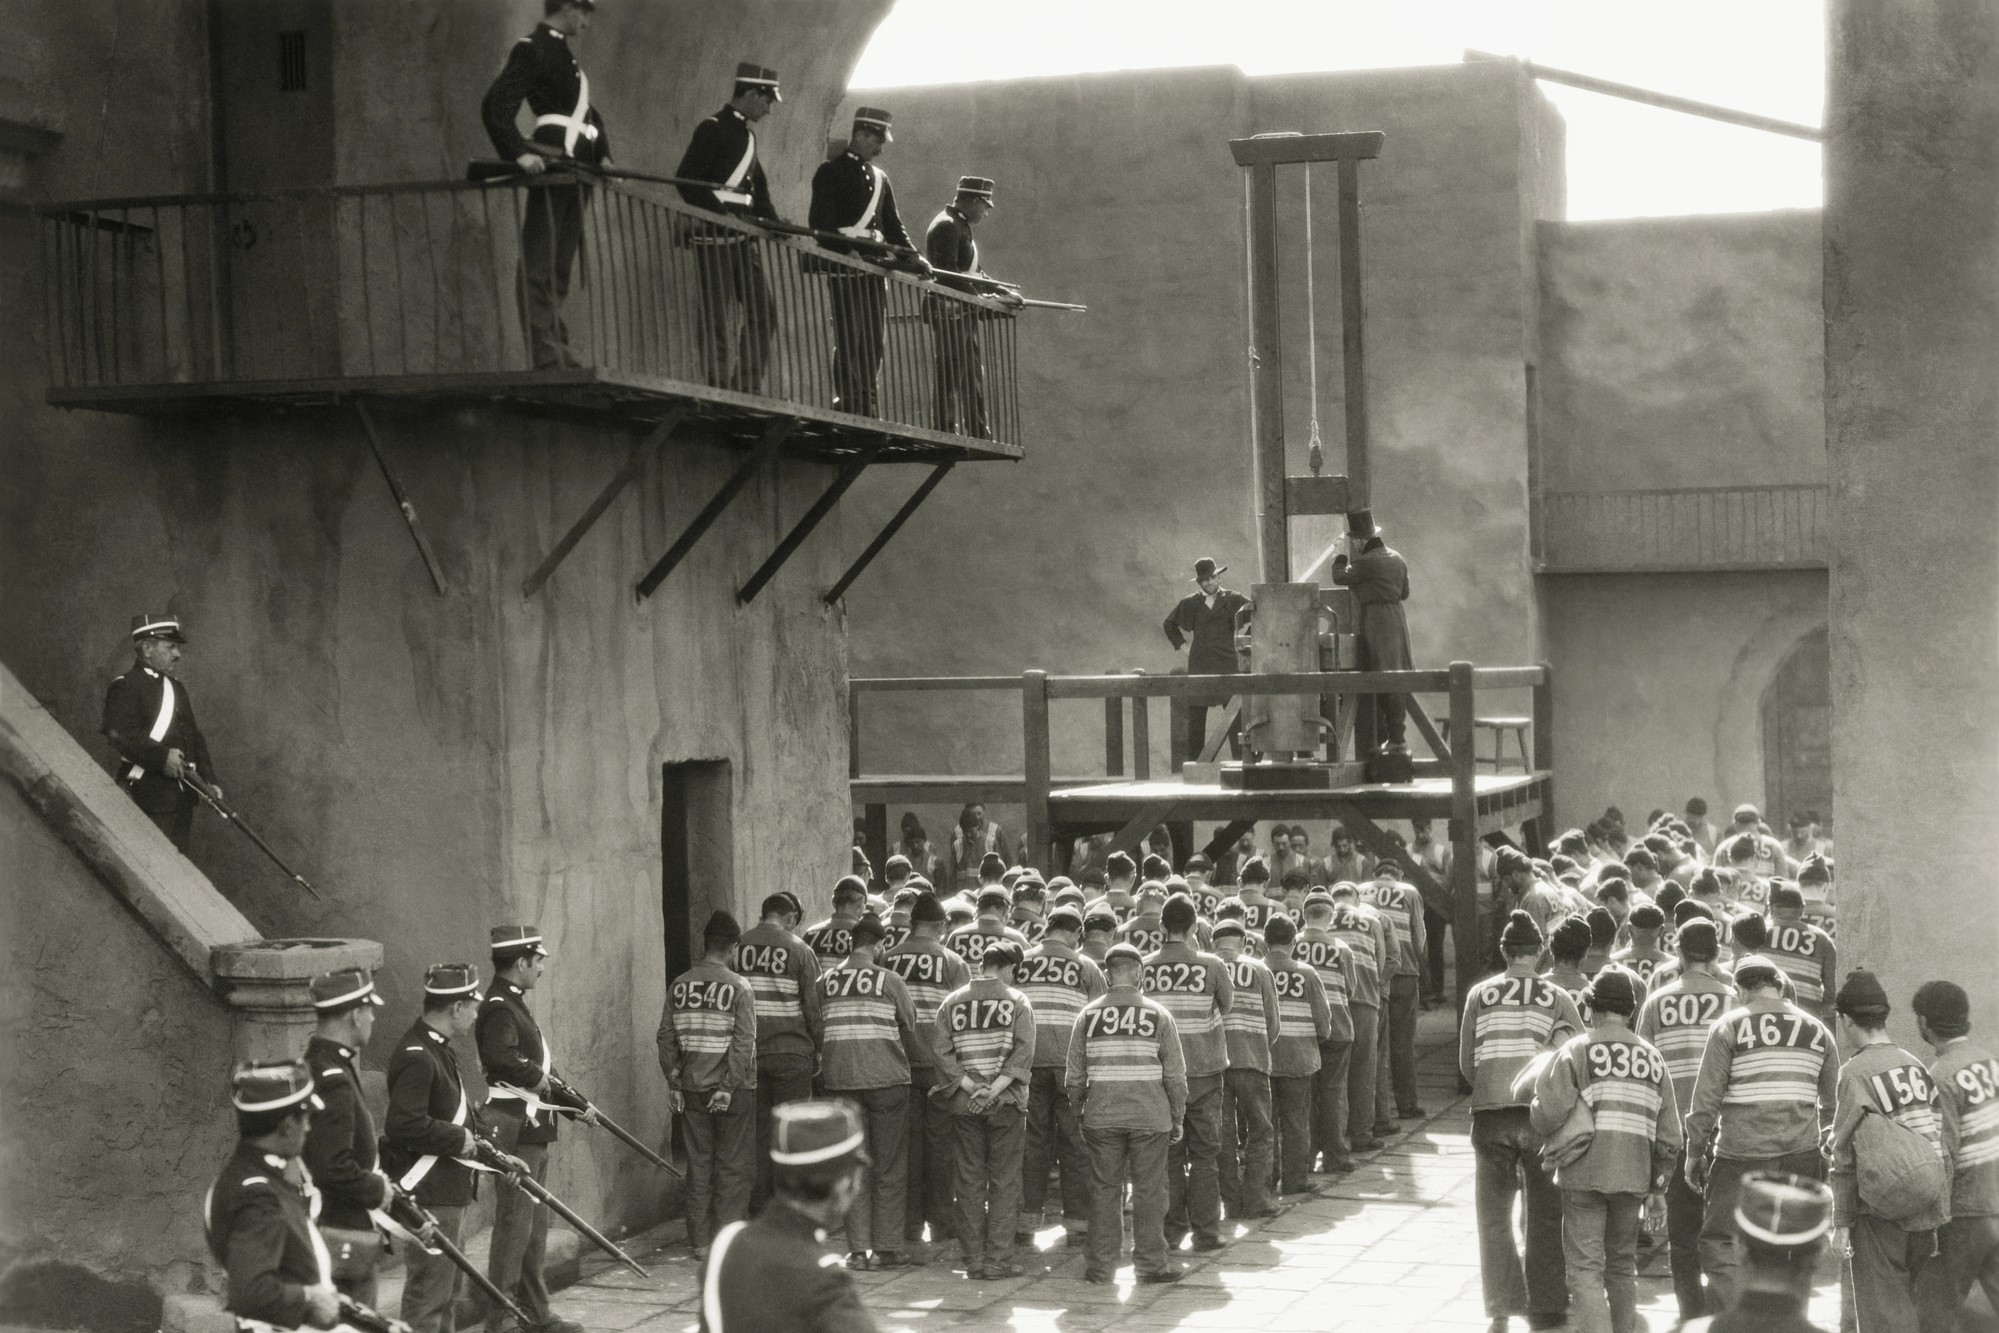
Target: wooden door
{"points": [[1797, 733]]}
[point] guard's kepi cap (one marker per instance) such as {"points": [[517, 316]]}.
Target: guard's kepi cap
{"points": [[823, 1134], [448, 979], [337, 992], [749, 71], [1782, 1210], [273, 1086], [515, 941], [875, 119], [157, 627], [982, 186]]}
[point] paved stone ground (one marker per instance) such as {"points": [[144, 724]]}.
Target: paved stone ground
{"points": [[1394, 1247]]}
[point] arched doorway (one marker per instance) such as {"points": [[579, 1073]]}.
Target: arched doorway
{"points": [[1797, 733]]}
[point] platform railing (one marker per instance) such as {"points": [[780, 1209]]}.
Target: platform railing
{"points": [[1704, 528], [421, 282]]}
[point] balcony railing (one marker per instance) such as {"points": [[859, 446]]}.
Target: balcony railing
{"points": [[414, 287], [1695, 529]]}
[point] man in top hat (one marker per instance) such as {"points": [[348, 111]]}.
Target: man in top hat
{"points": [[340, 1146], [959, 372], [1783, 1221], [258, 1213], [522, 1092], [149, 720], [733, 286], [542, 71], [852, 196], [1379, 577], [430, 1127], [708, 1052], [1207, 617], [776, 1274]]}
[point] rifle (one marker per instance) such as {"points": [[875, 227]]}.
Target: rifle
{"points": [[418, 1219], [194, 783], [490, 1155], [357, 1315], [582, 1103]]}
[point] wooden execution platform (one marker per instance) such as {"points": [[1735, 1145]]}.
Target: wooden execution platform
{"points": [[1499, 801]]}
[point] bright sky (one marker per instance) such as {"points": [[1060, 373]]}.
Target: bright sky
{"points": [[1625, 160]]}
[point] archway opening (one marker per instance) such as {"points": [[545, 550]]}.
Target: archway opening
{"points": [[1797, 733]]}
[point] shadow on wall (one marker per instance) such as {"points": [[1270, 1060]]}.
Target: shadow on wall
{"points": [[37, 1291]]}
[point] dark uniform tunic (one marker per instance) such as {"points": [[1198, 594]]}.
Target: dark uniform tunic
{"points": [[736, 304], [855, 198], [515, 1056], [428, 1114], [960, 373], [340, 1153], [258, 1219], [1212, 628], [132, 724], [776, 1275], [542, 71]]}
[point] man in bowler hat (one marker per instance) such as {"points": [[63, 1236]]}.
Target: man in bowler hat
{"points": [[1207, 617]]}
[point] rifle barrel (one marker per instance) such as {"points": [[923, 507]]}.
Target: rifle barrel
{"points": [[540, 1192], [229, 816], [633, 1141], [459, 1258]]}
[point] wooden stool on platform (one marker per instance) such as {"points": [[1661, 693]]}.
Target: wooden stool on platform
{"points": [[1500, 727]]}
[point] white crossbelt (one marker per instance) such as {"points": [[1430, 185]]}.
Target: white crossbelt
{"points": [[506, 1092], [576, 124], [160, 724], [865, 224], [414, 1176], [731, 191]]}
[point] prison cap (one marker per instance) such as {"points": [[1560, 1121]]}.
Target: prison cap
{"points": [[927, 910], [1122, 953], [1945, 1005], [1754, 970], [1861, 993], [1065, 918], [721, 928], [1003, 952]]}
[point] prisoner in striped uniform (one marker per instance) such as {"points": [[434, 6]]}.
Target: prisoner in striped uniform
{"points": [[1362, 930], [1877, 1279], [1333, 963], [1400, 907], [1805, 952], [708, 1052], [1127, 1078], [1303, 1021], [1968, 1075], [1249, 1028], [784, 974], [930, 971], [832, 939], [984, 1039], [1768, 1083], [1622, 1078], [1058, 981], [1676, 1018], [1508, 1020], [1195, 988], [866, 1028]]}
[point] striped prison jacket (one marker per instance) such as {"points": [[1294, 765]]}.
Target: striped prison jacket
{"points": [[1882, 1077], [1623, 1079], [931, 972], [784, 973], [1126, 1070], [1362, 930], [1251, 1025], [1676, 1019], [1303, 1018], [1058, 982], [1508, 1020], [986, 1028], [1970, 1082], [1195, 988], [1769, 1075], [866, 1028], [708, 1034], [1333, 962]]}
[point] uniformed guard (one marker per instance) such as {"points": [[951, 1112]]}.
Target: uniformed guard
{"points": [[1783, 1221], [1248, 1137], [1676, 1019], [708, 1052], [1127, 1079], [983, 1036], [931, 972], [542, 71], [784, 973], [776, 1274], [1058, 979], [832, 939], [866, 1027], [340, 1150], [1767, 1089], [430, 1127], [852, 196], [1968, 1244], [1195, 988], [736, 305], [258, 1214], [149, 720], [518, 1064], [959, 370]]}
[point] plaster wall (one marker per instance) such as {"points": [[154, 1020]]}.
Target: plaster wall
{"points": [[1681, 352], [1659, 683], [436, 764], [1117, 190], [1912, 427]]}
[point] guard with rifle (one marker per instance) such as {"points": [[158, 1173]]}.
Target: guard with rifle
{"points": [[340, 1147], [259, 1214], [959, 370], [542, 71], [149, 720], [522, 1099], [852, 197], [736, 305], [429, 1143]]}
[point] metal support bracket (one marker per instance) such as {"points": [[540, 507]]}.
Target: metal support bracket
{"points": [[766, 449], [889, 529], [849, 473], [401, 497], [634, 463]]}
